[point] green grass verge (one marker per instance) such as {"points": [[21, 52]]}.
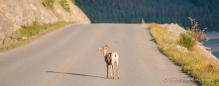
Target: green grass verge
{"points": [[48, 3], [32, 32], [65, 5], [204, 70]]}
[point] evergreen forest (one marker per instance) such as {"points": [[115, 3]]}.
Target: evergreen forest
{"points": [[206, 12]]}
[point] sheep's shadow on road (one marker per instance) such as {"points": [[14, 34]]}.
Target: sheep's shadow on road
{"points": [[76, 74]]}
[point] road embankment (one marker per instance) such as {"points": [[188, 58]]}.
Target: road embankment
{"points": [[197, 62]]}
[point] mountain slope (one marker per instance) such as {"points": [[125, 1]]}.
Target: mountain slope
{"points": [[16, 13]]}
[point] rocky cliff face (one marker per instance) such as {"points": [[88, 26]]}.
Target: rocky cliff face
{"points": [[16, 13]]}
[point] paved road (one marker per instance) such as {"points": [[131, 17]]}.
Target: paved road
{"points": [[69, 57]]}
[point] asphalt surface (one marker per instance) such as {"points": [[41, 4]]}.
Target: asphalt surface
{"points": [[69, 56]]}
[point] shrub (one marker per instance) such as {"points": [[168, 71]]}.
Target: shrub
{"points": [[197, 33], [142, 21], [192, 35], [48, 3], [65, 5], [73, 1], [186, 40]]}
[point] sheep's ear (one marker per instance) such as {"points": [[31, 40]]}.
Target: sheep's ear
{"points": [[106, 46]]}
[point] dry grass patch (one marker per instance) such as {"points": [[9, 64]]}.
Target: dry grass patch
{"points": [[31, 33], [204, 70]]}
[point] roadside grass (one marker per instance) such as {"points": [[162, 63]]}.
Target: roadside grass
{"points": [[73, 1], [48, 3], [204, 70], [65, 5], [32, 32]]}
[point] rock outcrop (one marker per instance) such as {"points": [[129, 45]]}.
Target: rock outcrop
{"points": [[201, 48], [16, 13], [176, 30]]}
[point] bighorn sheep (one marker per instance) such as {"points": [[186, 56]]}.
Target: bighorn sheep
{"points": [[110, 59]]}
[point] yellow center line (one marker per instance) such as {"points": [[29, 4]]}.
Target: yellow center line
{"points": [[81, 52], [63, 70]]}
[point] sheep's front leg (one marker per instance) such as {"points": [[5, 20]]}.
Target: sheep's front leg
{"points": [[111, 72], [107, 71]]}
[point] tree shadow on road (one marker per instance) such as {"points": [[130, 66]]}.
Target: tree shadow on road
{"points": [[76, 74]]}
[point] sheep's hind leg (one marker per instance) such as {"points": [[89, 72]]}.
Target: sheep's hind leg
{"points": [[117, 66], [118, 72]]}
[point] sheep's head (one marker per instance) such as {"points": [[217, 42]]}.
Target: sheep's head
{"points": [[103, 49]]}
